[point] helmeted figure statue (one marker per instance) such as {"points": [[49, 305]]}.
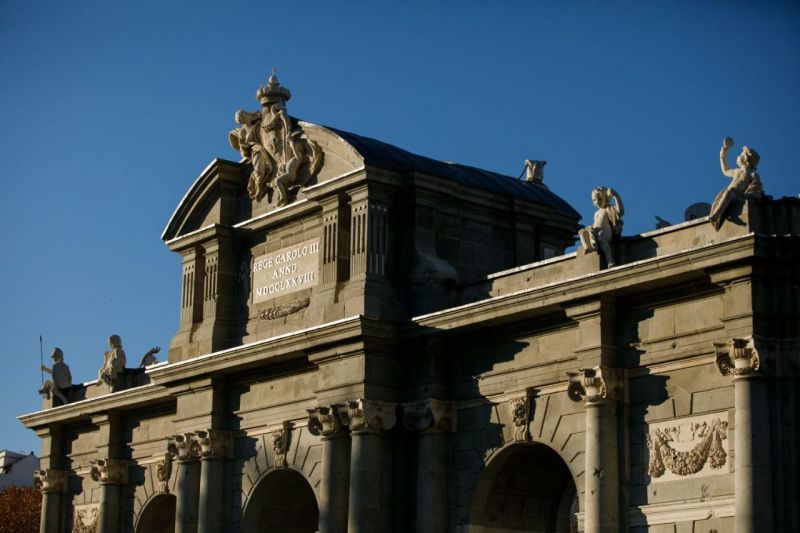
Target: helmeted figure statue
{"points": [[607, 223], [114, 362], [745, 181], [281, 155], [62, 378]]}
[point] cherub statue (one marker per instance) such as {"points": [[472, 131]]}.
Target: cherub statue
{"points": [[744, 181], [534, 171], [62, 378], [607, 224]]}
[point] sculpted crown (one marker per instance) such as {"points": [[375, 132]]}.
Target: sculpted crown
{"points": [[273, 91]]}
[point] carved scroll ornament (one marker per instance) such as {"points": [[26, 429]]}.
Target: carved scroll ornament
{"points": [[50, 480], [709, 449], [280, 444], [520, 411], [738, 357], [114, 471], [184, 446], [325, 421], [592, 385], [364, 415], [164, 472], [429, 415]]}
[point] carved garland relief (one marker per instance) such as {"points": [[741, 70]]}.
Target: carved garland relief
{"points": [[695, 446], [86, 518]]}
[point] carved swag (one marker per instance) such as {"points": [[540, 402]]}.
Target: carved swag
{"points": [[708, 450]]}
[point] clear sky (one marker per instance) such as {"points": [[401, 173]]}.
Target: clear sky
{"points": [[109, 111]]}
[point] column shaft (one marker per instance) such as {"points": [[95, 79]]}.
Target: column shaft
{"points": [[211, 497], [366, 483], [108, 521], [187, 487], [431, 504], [51, 512], [334, 484], [752, 479], [601, 478]]}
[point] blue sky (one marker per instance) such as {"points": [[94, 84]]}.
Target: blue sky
{"points": [[109, 111]]}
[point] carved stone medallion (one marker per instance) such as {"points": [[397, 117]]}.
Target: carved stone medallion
{"points": [[520, 414], [695, 446]]}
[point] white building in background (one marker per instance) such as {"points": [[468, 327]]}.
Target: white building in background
{"points": [[17, 469]]}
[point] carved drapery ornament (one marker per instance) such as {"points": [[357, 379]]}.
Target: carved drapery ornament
{"points": [[520, 414], [50, 480], [164, 472], [112, 471], [281, 154], [429, 415], [593, 385], [213, 443], [738, 357], [709, 449], [184, 446], [280, 444], [325, 421], [370, 415]]}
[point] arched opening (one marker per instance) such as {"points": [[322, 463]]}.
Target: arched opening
{"points": [[526, 487], [158, 515], [283, 501]]}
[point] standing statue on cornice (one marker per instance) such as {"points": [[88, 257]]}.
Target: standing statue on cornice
{"points": [[607, 223], [745, 181], [282, 156]]}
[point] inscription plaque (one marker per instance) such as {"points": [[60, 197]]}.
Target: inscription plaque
{"points": [[286, 270]]}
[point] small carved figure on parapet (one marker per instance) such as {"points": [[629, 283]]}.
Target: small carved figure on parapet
{"points": [[113, 370], [606, 225], [62, 378], [745, 181], [534, 171]]}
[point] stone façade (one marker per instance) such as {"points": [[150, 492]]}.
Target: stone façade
{"points": [[421, 382]]}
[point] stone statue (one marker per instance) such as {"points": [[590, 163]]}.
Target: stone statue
{"points": [[607, 224], [113, 362], [282, 157], [62, 378], [745, 181], [534, 171]]}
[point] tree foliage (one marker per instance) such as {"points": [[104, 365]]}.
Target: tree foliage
{"points": [[20, 508]]}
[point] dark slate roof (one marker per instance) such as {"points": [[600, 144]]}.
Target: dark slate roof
{"points": [[383, 155]]}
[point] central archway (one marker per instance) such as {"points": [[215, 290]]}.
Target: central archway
{"points": [[526, 487], [281, 502]]}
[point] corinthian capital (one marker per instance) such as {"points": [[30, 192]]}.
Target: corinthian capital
{"points": [[738, 357], [113, 471], [325, 421], [50, 480], [183, 446], [436, 415], [364, 415], [593, 385], [213, 443]]}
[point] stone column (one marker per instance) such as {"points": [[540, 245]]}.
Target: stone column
{"points": [[596, 388], [752, 476], [186, 450], [335, 476], [112, 474], [214, 449], [53, 484], [370, 485], [433, 419]]}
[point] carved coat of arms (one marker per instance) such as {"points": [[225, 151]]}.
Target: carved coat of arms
{"points": [[283, 158]]}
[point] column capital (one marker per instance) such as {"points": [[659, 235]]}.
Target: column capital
{"points": [[213, 443], [429, 416], [326, 421], [110, 471], [183, 446], [738, 358], [370, 415], [595, 385], [51, 480]]}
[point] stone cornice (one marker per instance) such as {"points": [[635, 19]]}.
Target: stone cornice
{"points": [[551, 296]]}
